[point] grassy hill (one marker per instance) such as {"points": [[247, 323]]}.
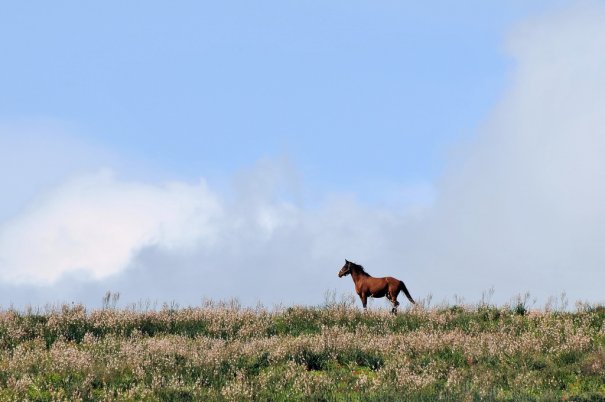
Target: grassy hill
{"points": [[334, 352]]}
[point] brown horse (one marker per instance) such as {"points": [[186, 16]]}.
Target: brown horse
{"points": [[368, 286]]}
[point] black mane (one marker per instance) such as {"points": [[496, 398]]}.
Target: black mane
{"points": [[359, 268]]}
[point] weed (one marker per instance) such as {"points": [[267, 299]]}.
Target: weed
{"points": [[221, 351]]}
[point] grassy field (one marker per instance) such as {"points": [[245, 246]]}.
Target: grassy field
{"points": [[335, 352]]}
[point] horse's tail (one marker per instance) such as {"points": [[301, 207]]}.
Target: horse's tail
{"points": [[406, 292]]}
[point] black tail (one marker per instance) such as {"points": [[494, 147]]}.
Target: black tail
{"points": [[405, 291]]}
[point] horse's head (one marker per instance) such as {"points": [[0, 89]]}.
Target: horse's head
{"points": [[345, 270]]}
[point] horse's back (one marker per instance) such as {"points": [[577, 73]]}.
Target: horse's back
{"points": [[392, 281]]}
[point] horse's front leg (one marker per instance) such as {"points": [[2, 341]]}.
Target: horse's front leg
{"points": [[364, 301]]}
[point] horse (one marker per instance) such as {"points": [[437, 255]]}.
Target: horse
{"points": [[368, 286]]}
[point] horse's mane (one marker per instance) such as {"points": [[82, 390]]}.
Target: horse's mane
{"points": [[360, 268]]}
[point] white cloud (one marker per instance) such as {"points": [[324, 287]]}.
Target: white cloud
{"points": [[183, 241], [523, 207], [38, 155], [95, 224]]}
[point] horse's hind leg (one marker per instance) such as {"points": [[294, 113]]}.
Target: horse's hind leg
{"points": [[395, 304], [393, 292]]}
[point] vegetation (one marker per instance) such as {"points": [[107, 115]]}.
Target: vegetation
{"points": [[334, 352]]}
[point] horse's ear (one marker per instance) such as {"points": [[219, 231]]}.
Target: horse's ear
{"points": [[346, 261]]}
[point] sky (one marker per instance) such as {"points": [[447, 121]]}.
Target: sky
{"points": [[245, 149]]}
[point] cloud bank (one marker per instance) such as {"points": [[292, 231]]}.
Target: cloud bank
{"points": [[520, 207], [184, 241], [95, 224], [523, 205]]}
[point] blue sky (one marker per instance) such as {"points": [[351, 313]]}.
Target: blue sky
{"points": [[205, 88], [295, 117]]}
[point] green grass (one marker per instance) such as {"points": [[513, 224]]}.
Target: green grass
{"points": [[329, 353]]}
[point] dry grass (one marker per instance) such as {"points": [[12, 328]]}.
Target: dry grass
{"points": [[335, 352]]}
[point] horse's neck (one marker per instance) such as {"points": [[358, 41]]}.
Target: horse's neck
{"points": [[358, 275]]}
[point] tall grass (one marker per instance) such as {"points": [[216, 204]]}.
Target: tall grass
{"points": [[221, 351]]}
